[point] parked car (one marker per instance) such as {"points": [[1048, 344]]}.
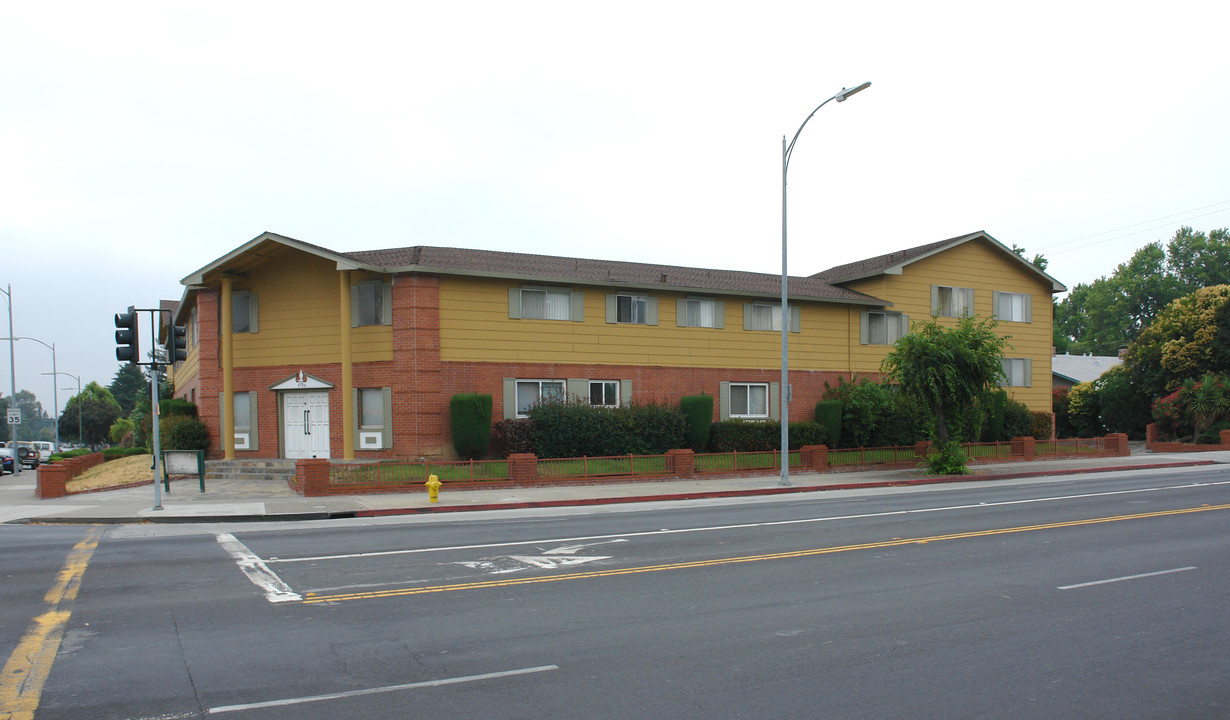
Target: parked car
{"points": [[7, 455], [28, 454]]}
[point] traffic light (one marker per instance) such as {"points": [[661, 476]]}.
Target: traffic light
{"points": [[177, 344], [127, 347]]}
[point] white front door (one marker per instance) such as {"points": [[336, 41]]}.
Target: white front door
{"points": [[305, 424]]}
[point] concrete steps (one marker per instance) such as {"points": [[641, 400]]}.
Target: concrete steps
{"points": [[282, 470]]}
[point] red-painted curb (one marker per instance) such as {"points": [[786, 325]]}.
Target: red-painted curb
{"points": [[769, 491]]}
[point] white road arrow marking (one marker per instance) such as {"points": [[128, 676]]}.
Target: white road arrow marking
{"points": [[550, 562], [572, 549]]}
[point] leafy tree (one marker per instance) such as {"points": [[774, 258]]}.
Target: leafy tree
{"points": [[128, 385], [1112, 311], [97, 411], [1182, 343], [947, 369]]}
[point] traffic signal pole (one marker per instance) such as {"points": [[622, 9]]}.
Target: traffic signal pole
{"points": [[128, 349]]}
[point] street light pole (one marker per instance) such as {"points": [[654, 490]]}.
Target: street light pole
{"points": [[78, 406], [8, 296], [55, 396], [784, 391]]}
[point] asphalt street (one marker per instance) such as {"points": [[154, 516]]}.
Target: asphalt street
{"points": [[1073, 597]]}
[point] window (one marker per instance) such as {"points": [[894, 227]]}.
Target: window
{"points": [[749, 400], [243, 405], [631, 309], [701, 312], [192, 328], [604, 393], [546, 304], [533, 392], [952, 301], [243, 312], [371, 303], [1013, 307], [371, 408], [882, 327], [373, 418], [764, 316], [243, 412], [1017, 372]]}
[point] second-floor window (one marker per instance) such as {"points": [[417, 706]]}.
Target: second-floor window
{"points": [[371, 304], [546, 304], [766, 316], [243, 312], [1013, 307], [952, 301]]}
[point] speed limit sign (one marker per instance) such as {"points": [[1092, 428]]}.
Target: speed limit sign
{"points": [[14, 416]]}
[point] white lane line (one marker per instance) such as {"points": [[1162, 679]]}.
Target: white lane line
{"points": [[1126, 577], [261, 576], [741, 526], [372, 691]]}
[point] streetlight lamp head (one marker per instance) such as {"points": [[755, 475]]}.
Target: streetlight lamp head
{"points": [[841, 96]]}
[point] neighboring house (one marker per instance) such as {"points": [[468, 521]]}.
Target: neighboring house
{"points": [[1068, 370], [298, 351]]}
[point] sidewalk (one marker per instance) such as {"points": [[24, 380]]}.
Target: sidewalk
{"points": [[248, 501]]}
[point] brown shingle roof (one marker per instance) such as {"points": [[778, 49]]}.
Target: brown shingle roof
{"points": [[551, 268], [877, 265]]}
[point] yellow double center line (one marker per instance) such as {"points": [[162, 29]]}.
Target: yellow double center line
{"points": [[313, 598], [23, 676]]}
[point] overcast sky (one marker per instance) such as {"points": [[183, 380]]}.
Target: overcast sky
{"points": [[141, 141]]}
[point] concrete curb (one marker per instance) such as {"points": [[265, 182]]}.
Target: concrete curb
{"points": [[529, 504]]}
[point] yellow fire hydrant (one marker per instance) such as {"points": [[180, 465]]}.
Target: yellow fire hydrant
{"points": [[433, 488]]}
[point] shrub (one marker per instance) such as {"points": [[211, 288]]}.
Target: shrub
{"points": [[946, 459], [864, 405], [1040, 425], [698, 414], [761, 435], [470, 414], [1205, 402], [1169, 416], [1019, 421], [181, 432], [177, 406], [121, 431], [114, 453], [652, 430], [1125, 406], [993, 422], [512, 436], [745, 436], [1059, 406], [578, 429], [828, 417], [1083, 410], [1212, 436]]}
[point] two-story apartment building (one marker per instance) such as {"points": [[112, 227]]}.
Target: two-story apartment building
{"points": [[299, 351]]}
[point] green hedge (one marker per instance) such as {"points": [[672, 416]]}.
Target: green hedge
{"points": [[761, 435], [177, 406], [470, 414], [828, 417], [182, 432], [698, 413], [115, 453], [564, 430]]}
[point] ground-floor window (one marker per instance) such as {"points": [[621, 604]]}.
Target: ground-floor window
{"points": [[604, 393], [533, 392], [749, 400]]}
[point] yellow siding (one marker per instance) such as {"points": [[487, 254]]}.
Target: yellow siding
{"points": [[188, 369], [298, 306], [475, 327], [984, 268]]}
